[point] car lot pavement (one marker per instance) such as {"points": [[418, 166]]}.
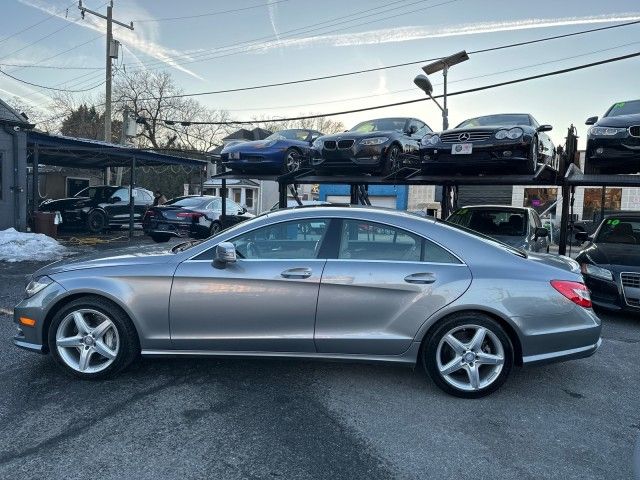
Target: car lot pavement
{"points": [[246, 419]]}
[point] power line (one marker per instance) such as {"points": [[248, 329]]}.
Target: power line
{"points": [[49, 17], [397, 65], [407, 102], [65, 26], [210, 14], [46, 87]]}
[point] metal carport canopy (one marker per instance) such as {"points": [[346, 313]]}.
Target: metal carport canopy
{"points": [[62, 151]]}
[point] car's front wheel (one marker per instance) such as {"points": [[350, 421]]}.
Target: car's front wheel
{"points": [[92, 338], [97, 222], [469, 355], [292, 161]]}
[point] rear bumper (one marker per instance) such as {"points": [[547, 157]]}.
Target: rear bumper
{"points": [[562, 355], [175, 229]]}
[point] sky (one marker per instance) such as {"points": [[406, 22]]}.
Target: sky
{"points": [[267, 41]]}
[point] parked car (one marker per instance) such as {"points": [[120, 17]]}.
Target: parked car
{"points": [[292, 203], [367, 284], [374, 146], [193, 215], [610, 262], [519, 227], [282, 152], [98, 208], [505, 143], [613, 142]]}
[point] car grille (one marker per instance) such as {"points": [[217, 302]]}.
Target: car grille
{"points": [[634, 131], [630, 280], [346, 143], [330, 144], [474, 136]]}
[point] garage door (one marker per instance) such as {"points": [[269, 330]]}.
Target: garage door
{"points": [[484, 195], [377, 201]]}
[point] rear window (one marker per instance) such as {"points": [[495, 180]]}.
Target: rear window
{"points": [[486, 238], [187, 202], [507, 223]]}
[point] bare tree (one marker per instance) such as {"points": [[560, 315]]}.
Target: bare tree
{"points": [[321, 124]]}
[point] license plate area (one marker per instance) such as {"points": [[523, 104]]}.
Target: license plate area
{"points": [[461, 148]]}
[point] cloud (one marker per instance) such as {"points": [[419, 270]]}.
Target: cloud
{"points": [[134, 39], [412, 33]]}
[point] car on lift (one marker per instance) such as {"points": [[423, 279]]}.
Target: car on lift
{"points": [[501, 143], [193, 216], [613, 142], [100, 207], [610, 263], [281, 152], [374, 146], [519, 227]]}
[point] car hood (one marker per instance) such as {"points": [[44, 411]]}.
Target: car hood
{"points": [[612, 254], [619, 121], [360, 135], [145, 255], [254, 144], [526, 128], [63, 203], [558, 261]]}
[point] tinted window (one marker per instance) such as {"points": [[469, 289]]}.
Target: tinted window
{"points": [[624, 108], [498, 222], [300, 135], [381, 125], [620, 230], [122, 193], [497, 120], [362, 240], [100, 194], [288, 240], [190, 202]]}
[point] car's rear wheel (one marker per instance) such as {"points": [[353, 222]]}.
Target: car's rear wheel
{"points": [[92, 338], [160, 237], [216, 227], [97, 222], [469, 355], [292, 161]]}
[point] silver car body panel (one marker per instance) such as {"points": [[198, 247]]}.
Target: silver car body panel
{"points": [[346, 309]]}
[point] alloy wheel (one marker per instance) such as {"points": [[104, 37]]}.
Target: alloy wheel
{"points": [[87, 341], [292, 162], [470, 357]]}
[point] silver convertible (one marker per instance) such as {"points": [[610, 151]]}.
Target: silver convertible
{"points": [[340, 283]]}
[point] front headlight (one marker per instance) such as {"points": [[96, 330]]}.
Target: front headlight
{"points": [[374, 141], [318, 144], [597, 272], [36, 285], [605, 131], [430, 140], [501, 134], [514, 133]]}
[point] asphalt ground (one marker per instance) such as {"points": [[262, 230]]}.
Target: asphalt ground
{"points": [[266, 419]]}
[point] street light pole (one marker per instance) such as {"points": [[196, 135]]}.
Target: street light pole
{"points": [[445, 110]]}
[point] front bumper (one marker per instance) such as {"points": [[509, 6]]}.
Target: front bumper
{"points": [[266, 160], [620, 155], [368, 158], [612, 295], [484, 156]]}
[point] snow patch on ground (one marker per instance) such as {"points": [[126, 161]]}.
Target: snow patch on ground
{"points": [[19, 247]]}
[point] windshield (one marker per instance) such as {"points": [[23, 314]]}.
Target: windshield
{"points": [[381, 125], [96, 193], [492, 222], [624, 108], [192, 202], [506, 120], [300, 135], [624, 230]]}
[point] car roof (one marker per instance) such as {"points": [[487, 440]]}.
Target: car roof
{"points": [[493, 207]]}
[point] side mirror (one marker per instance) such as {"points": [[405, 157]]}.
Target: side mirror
{"points": [[541, 232], [225, 253], [243, 210], [545, 128], [591, 121], [115, 200], [582, 236]]}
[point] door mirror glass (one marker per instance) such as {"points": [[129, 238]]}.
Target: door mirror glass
{"points": [[541, 232], [545, 128], [591, 120], [115, 200], [225, 253]]}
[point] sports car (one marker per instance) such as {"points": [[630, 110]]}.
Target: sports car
{"points": [[281, 152], [374, 146], [502, 143], [613, 142]]}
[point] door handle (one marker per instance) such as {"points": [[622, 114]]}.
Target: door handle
{"points": [[425, 277], [302, 272]]}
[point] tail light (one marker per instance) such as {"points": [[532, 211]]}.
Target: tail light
{"points": [[192, 215], [577, 292]]}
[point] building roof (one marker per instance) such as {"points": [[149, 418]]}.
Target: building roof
{"points": [[217, 182], [84, 153], [10, 116], [244, 134]]}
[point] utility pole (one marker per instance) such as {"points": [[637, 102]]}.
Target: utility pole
{"points": [[111, 53]]}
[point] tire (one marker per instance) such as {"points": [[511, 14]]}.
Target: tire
{"points": [[216, 227], [532, 167], [159, 238], [97, 222], [392, 160], [437, 353], [119, 338], [292, 160]]}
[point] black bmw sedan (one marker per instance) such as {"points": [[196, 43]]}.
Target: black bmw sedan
{"points": [[613, 142], [502, 143], [374, 146], [611, 263]]}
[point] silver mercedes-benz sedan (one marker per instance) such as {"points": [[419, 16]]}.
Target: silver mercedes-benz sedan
{"points": [[343, 283]]}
